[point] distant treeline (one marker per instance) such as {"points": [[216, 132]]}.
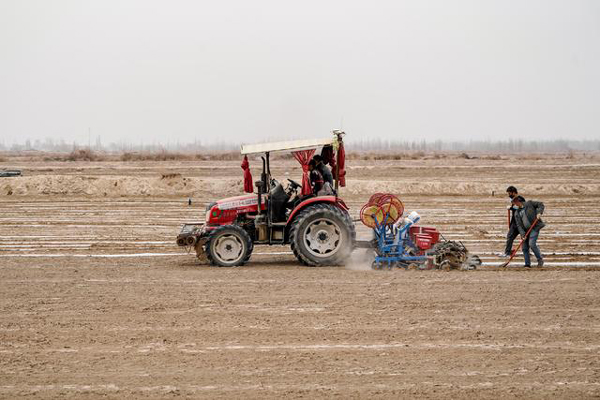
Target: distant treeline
{"points": [[61, 146], [366, 145], [507, 146]]}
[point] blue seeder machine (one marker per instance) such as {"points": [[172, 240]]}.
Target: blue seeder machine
{"points": [[400, 242]]}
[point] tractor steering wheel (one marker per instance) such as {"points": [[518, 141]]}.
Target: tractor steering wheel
{"points": [[294, 184]]}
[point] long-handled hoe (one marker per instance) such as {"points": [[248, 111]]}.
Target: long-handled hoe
{"points": [[514, 252]]}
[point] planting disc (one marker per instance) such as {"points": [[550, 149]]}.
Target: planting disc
{"points": [[392, 211], [391, 206], [375, 198], [371, 214], [381, 207]]}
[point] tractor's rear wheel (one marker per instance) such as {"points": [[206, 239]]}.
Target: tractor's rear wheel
{"points": [[322, 234], [229, 246]]}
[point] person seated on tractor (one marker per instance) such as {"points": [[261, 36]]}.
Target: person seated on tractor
{"points": [[324, 170], [318, 184], [316, 179], [327, 189]]}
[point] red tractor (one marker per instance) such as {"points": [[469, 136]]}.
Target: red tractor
{"points": [[318, 228]]}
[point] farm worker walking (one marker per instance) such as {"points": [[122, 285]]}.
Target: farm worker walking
{"points": [[513, 231], [527, 214]]}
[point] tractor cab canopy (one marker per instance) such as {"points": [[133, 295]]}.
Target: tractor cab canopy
{"points": [[332, 152], [288, 146]]}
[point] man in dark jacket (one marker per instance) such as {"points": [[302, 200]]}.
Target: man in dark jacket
{"points": [[324, 170], [316, 179], [513, 232], [525, 216]]}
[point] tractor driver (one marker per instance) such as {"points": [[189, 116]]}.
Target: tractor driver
{"points": [[319, 186], [324, 170], [316, 179]]}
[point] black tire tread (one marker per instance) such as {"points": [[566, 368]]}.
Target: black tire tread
{"points": [[241, 232], [311, 210]]}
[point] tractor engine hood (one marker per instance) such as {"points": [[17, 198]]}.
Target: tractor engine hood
{"points": [[236, 202], [226, 211]]}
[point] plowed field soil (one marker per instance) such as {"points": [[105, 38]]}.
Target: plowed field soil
{"points": [[97, 301]]}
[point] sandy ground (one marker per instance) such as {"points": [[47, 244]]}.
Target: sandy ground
{"points": [[96, 300]]}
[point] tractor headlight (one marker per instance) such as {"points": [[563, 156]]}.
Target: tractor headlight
{"points": [[209, 207], [213, 213]]}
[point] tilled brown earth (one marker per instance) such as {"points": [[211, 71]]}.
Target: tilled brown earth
{"points": [[97, 301]]}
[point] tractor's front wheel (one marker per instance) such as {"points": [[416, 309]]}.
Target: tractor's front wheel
{"points": [[229, 246], [322, 234]]}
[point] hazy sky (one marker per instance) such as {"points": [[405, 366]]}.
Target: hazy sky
{"points": [[144, 70]]}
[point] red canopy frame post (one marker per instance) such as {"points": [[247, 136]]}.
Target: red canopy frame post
{"points": [[248, 188], [340, 166], [303, 157]]}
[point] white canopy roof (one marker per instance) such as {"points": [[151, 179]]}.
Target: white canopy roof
{"points": [[291, 145]]}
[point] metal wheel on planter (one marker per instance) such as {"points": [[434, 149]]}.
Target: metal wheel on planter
{"points": [[229, 246], [322, 234], [371, 215], [381, 207]]}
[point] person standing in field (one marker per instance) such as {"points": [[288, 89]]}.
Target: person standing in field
{"points": [[528, 213], [513, 231]]}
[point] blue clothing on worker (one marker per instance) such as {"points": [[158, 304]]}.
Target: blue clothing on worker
{"points": [[531, 243]]}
